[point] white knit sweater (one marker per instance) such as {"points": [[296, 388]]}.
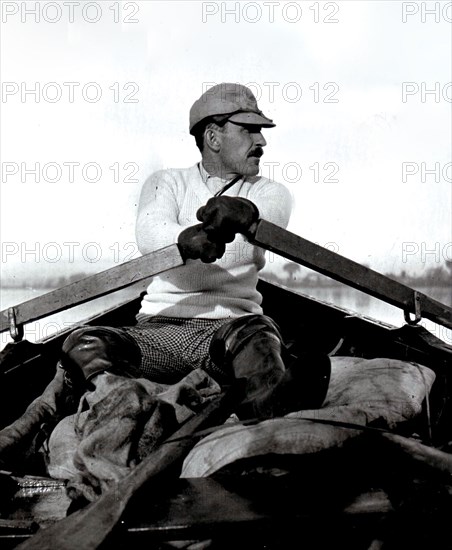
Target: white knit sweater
{"points": [[226, 288]]}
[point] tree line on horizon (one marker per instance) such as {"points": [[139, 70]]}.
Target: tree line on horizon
{"points": [[293, 276]]}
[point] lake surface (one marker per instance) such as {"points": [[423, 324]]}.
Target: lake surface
{"points": [[342, 296], [61, 321]]}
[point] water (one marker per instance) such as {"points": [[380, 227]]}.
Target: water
{"points": [[340, 296], [359, 302], [61, 321]]}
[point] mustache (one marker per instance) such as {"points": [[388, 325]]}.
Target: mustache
{"points": [[256, 153]]}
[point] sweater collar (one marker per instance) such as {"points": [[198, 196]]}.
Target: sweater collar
{"points": [[205, 176]]}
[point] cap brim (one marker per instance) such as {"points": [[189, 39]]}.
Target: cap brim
{"points": [[252, 118]]}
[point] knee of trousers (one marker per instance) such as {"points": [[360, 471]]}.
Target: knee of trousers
{"points": [[92, 350], [230, 338]]}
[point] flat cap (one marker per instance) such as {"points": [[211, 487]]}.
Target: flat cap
{"points": [[228, 98]]}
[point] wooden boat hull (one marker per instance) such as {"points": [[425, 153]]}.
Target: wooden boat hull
{"points": [[306, 323], [260, 510]]}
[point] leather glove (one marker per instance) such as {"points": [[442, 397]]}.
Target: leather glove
{"points": [[223, 217], [194, 244]]}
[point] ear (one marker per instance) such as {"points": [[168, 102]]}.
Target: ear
{"points": [[212, 139]]}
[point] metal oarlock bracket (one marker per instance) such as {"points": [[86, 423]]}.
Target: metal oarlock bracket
{"points": [[16, 331], [417, 310]]}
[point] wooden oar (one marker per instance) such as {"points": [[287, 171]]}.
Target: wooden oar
{"points": [[86, 529], [271, 237], [91, 287], [417, 453], [263, 234]]}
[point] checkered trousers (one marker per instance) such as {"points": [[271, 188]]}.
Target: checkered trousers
{"points": [[171, 348]]}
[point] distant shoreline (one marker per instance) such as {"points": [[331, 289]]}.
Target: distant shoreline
{"points": [[292, 276], [291, 283]]}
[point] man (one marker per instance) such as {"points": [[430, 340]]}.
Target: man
{"points": [[207, 313], [212, 312]]}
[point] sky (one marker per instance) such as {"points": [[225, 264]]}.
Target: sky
{"points": [[360, 92]]}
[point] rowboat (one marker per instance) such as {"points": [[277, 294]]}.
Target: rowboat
{"points": [[391, 487]]}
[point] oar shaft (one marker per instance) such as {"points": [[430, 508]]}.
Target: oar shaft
{"points": [[264, 234], [86, 529], [304, 252], [94, 286]]}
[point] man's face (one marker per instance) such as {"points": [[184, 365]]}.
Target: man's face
{"points": [[241, 149]]}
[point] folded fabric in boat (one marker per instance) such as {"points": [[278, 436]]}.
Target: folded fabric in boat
{"points": [[363, 391], [118, 423]]}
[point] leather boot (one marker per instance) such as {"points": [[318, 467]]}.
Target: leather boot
{"points": [[21, 440], [252, 347], [88, 351]]}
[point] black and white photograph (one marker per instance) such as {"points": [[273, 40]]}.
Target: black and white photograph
{"points": [[225, 275]]}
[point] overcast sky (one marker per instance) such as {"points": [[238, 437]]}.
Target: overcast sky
{"points": [[344, 81]]}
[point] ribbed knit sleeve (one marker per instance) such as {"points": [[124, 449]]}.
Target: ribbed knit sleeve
{"points": [[273, 200], [158, 212]]}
